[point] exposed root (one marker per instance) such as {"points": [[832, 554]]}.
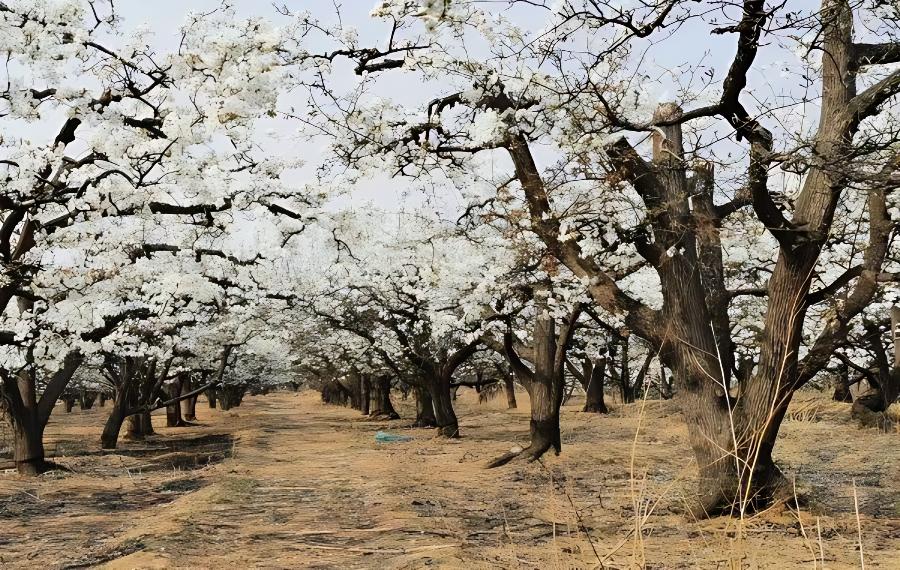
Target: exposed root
{"points": [[529, 454]]}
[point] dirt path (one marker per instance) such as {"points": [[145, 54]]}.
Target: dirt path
{"points": [[285, 482]]}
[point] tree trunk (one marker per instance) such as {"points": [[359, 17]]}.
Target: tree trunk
{"points": [[365, 391], [444, 415], [381, 403], [510, 386], [86, 399], [189, 405], [594, 401], [211, 398], [28, 445], [231, 396], [173, 411], [424, 409], [110, 436], [842, 385], [102, 398], [140, 425]]}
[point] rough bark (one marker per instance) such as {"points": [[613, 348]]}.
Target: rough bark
{"points": [[173, 411], [424, 408], [189, 405], [509, 385], [594, 400], [444, 415], [381, 403]]}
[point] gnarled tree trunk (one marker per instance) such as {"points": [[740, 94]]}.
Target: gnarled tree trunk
{"points": [[381, 403]]}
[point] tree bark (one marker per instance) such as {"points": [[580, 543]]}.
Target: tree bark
{"points": [[381, 403], [594, 401], [140, 425], [510, 387], [842, 385], [188, 406], [113, 426], [173, 411], [424, 408], [211, 398], [365, 391], [444, 416], [28, 445]]}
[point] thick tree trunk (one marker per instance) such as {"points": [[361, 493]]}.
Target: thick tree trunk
{"points": [[447, 424], [102, 399], [28, 445], [381, 403], [594, 400], [68, 403], [211, 398], [140, 425], [509, 385], [189, 405], [424, 409]]}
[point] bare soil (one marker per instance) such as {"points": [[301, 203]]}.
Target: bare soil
{"points": [[287, 482]]}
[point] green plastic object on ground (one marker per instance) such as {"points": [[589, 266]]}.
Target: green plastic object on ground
{"points": [[385, 437]]}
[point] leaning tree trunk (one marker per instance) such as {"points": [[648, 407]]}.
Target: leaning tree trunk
{"points": [[424, 408], [110, 436], [594, 401], [381, 403]]}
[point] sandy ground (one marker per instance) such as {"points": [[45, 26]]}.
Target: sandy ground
{"points": [[286, 482]]}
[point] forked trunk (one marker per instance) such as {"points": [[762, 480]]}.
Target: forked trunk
{"points": [[424, 409], [86, 399]]}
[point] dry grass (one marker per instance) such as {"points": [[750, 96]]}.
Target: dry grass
{"points": [[307, 486]]}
